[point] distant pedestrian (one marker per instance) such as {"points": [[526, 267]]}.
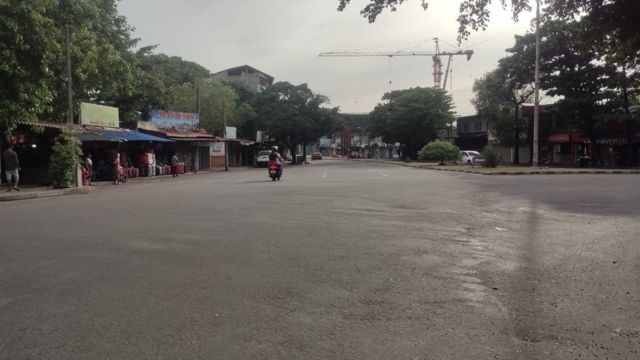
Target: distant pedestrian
{"points": [[174, 165], [116, 169], [11, 168], [88, 164]]}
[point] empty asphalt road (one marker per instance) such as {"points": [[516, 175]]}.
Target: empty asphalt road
{"points": [[339, 260]]}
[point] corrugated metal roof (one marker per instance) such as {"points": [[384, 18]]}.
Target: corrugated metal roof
{"points": [[47, 124], [181, 135], [116, 135]]}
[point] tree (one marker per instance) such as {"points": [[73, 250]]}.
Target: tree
{"points": [[155, 75], [439, 150], [246, 114], [474, 14], [572, 71], [64, 160], [28, 44], [596, 82], [500, 94], [616, 17], [171, 70], [103, 63], [217, 102], [412, 117], [32, 74], [293, 115], [623, 78]]}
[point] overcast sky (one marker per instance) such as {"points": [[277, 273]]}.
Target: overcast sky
{"points": [[283, 38]]}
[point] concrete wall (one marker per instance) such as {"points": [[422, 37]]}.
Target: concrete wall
{"points": [[252, 81]]}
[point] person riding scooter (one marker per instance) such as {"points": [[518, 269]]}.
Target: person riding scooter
{"points": [[275, 160]]}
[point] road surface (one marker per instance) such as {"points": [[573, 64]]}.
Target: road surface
{"points": [[339, 260]]}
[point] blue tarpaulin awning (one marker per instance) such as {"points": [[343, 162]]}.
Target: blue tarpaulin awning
{"points": [[117, 135]]}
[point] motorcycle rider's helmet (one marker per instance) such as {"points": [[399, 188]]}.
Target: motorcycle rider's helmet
{"points": [[274, 148]]}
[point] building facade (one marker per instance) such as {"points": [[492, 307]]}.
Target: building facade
{"points": [[250, 77]]}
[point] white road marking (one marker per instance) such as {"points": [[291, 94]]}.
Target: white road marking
{"points": [[500, 229], [324, 174], [381, 173]]}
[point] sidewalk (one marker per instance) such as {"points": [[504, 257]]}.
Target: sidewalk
{"points": [[508, 170], [39, 192], [28, 193]]}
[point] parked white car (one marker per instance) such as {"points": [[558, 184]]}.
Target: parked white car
{"points": [[263, 158], [468, 156]]}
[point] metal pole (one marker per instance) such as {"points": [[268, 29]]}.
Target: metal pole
{"points": [[226, 148], [67, 44], [77, 179], [446, 75], [536, 106]]}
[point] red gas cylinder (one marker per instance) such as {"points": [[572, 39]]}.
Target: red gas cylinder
{"points": [[85, 177]]}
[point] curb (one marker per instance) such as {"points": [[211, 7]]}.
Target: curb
{"points": [[45, 194], [535, 172]]}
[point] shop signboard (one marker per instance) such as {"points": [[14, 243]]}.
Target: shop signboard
{"points": [[172, 120], [99, 115], [325, 142], [217, 149], [230, 132]]}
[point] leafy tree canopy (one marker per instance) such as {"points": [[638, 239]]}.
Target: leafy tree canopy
{"points": [[617, 17], [32, 72], [412, 117], [500, 94], [157, 76], [217, 102], [294, 115], [104, 67], [65, 158], [28, 46]]}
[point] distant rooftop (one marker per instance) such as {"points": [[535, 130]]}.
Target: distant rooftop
{"points": [[239, 70]]}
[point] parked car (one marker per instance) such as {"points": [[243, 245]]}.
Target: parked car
{"points": [[471, 157], [316, 156], [263, 158]]}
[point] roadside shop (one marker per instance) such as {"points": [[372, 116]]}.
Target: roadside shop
{"points": [[136, 151], [191, 144], [32, 141]]}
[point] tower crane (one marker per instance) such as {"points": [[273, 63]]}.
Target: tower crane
{"points": [[436, 57]]}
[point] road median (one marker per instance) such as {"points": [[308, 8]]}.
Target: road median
{"points": [[507, 170]]}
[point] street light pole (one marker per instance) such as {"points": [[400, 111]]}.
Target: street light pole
{"points": [[536, 106], [67, 44]]}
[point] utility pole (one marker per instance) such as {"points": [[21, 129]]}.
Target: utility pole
{"points": [[67, 44], [226, 148], [77, 179], [536, 106]]}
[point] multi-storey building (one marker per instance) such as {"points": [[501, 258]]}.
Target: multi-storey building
{"points": [[251, 77]]}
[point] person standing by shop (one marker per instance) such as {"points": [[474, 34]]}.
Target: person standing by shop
{"points": [[116, 168], [174, 165], [88, 164], [11, 167]]}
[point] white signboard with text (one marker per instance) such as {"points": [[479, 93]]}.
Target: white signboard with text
{"points": [[230, 132], [217, 149]]}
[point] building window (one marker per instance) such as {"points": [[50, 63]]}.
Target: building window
{"points": [[477, 126]]}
